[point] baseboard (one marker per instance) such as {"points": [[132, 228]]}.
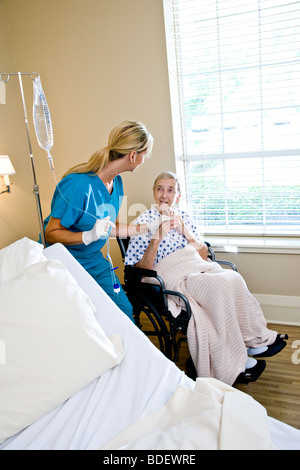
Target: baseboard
{"points": [[280, 309]]}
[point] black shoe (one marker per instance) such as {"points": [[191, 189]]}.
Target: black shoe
{"points": [[252, 374], [274, 348], [190, 369]]}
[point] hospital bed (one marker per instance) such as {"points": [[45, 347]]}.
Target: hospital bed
{"points": [[89, 402]]}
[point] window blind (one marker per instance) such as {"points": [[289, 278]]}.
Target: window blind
{"points": [[234, 72]]}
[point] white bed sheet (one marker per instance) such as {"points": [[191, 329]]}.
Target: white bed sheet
{"points": [[140, 385]]}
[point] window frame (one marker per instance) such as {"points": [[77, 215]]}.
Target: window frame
{"points": [[183, 158]]}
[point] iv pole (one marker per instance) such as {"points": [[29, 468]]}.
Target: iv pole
{"points": [[35, 185]]}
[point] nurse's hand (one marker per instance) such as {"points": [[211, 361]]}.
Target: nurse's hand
{"points": [[99, 230]]}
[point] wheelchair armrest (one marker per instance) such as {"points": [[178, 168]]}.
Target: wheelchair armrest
{"points": [[219, 261], [139, 273], [227, 263], [134, 275], [210, 251], [185, 300]]}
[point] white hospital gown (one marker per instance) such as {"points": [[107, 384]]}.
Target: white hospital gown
{"points": [[172, 241]]}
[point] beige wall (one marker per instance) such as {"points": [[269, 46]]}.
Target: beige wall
{"points": [[100, 62], [15, 208]]}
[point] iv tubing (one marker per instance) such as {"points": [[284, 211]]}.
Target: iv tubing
{"points": [[115, 284]]}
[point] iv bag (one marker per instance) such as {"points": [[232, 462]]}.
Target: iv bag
{"points": [[42, 119]]}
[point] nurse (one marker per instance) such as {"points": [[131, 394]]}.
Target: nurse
{"points": [[87, 200]]}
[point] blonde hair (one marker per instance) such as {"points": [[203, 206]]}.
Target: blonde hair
{"points": [[127, 137], [167, 175]]}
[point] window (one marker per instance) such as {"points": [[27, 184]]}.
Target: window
{"points": [[234, 71]]}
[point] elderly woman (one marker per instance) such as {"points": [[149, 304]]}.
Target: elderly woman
{"points": [[227, 324], [86, 203]]}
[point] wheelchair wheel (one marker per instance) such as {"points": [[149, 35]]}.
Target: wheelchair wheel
{"points": [[141, 308]]}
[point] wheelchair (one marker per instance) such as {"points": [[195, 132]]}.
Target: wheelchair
{"points": [[151, 298]]}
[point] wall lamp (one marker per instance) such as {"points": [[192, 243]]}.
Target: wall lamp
{"points": [[6, 170]]}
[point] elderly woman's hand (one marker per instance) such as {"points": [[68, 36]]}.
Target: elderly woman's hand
{"points": [[201, 247], [179, 224], [164, 228], [203, 251]]}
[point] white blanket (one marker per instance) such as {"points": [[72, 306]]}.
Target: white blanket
{"points": [[226, 318], [213, 416], [141, 385]]}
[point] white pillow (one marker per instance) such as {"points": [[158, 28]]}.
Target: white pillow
{"points": [[18, 256], [53, 344]]}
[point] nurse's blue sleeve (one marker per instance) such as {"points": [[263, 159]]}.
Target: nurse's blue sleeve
{"points": [[69, 203]]}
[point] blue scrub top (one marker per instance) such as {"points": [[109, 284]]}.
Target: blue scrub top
{"points": [[82, 198]]}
